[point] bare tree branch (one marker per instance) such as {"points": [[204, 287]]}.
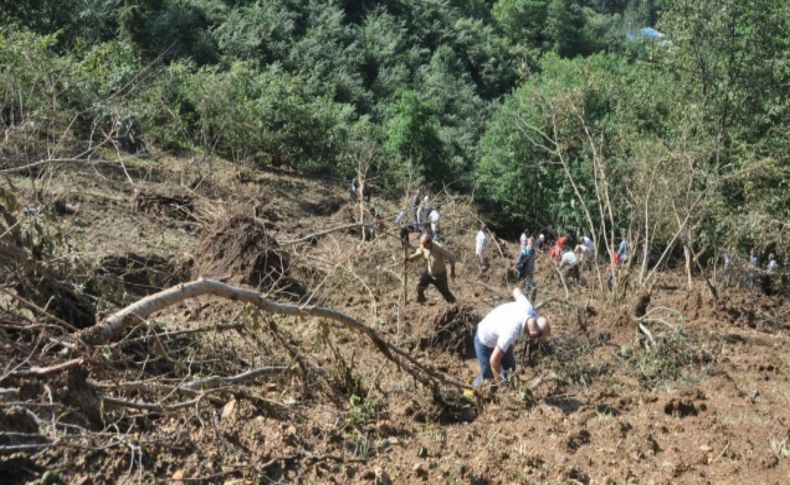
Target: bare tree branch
{"points": [[113, 326]]}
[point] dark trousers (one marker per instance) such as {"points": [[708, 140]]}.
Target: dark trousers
{"points": [[484, 359], [404, 237], [439, 281]]}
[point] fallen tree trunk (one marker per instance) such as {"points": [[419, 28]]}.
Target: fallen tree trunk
{"points": [[114, 326]]}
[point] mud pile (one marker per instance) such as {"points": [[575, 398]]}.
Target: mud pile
{"points": [[239, 249]]}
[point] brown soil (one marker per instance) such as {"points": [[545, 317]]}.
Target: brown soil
{"points": [[707, 404]]}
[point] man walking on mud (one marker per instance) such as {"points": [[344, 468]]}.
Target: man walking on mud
{"points": [[498, 333], [435, 272]]}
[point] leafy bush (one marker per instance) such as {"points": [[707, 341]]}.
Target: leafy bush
{"points": [[676, 359]]}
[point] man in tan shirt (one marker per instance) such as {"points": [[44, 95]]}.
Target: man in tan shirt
{"points": [[435, 272]]}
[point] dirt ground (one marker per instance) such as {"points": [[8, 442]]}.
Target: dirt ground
{"points": [[707, 402]]}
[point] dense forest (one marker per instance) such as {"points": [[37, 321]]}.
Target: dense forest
{"points": [[560, 115]]}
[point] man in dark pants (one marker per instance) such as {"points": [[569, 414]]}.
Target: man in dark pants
{"points": [[435, 272]]}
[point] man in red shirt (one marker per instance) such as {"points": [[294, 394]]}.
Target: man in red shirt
{"points": [[558, 249]]}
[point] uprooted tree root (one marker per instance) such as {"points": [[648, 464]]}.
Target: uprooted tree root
{"points": [[241, 250]]}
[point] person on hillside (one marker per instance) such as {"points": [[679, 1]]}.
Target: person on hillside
{"points": [[751, 275], [558, 249], [423, 213], [367, 191], [726, 264], [612, 268], [773, 265], [622, 250], [522, 240], [569, 265], [354, 191], [770, 273], [539, 243], [415, 208], [402, 221], [437, 258], [498, 332], [377, 226], [585, 249], [482, 242], [434, 218], [372, 230], [525, 267]]}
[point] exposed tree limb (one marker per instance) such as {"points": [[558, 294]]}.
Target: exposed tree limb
{"points": [[114, 401], [215, 381], [647, 333], [53, 369], [113, 326]]}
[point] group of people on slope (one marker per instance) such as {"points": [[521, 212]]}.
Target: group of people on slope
{"points": [[756, 277], [426, 217], [499, 331], [359, 191]]}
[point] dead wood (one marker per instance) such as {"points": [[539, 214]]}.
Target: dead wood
{"points": [[114, 326], [647, 333], [53, 369], [216, 381]]}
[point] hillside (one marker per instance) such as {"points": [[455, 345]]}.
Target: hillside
{"points": [[703, 399]]}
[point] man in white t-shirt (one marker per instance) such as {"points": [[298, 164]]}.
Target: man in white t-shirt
{"points": [[538, 244], [770, 274], [434, 217], [569, 265], [498, 333], [422, 215], [585, 249], [523, 239]]}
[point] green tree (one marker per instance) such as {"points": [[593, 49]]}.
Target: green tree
{"points": [[731, 61], [413, 138], [564, 24]]}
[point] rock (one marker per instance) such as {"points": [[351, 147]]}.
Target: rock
{"points": [[228, 410], [381, 477], [179, 474]]}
